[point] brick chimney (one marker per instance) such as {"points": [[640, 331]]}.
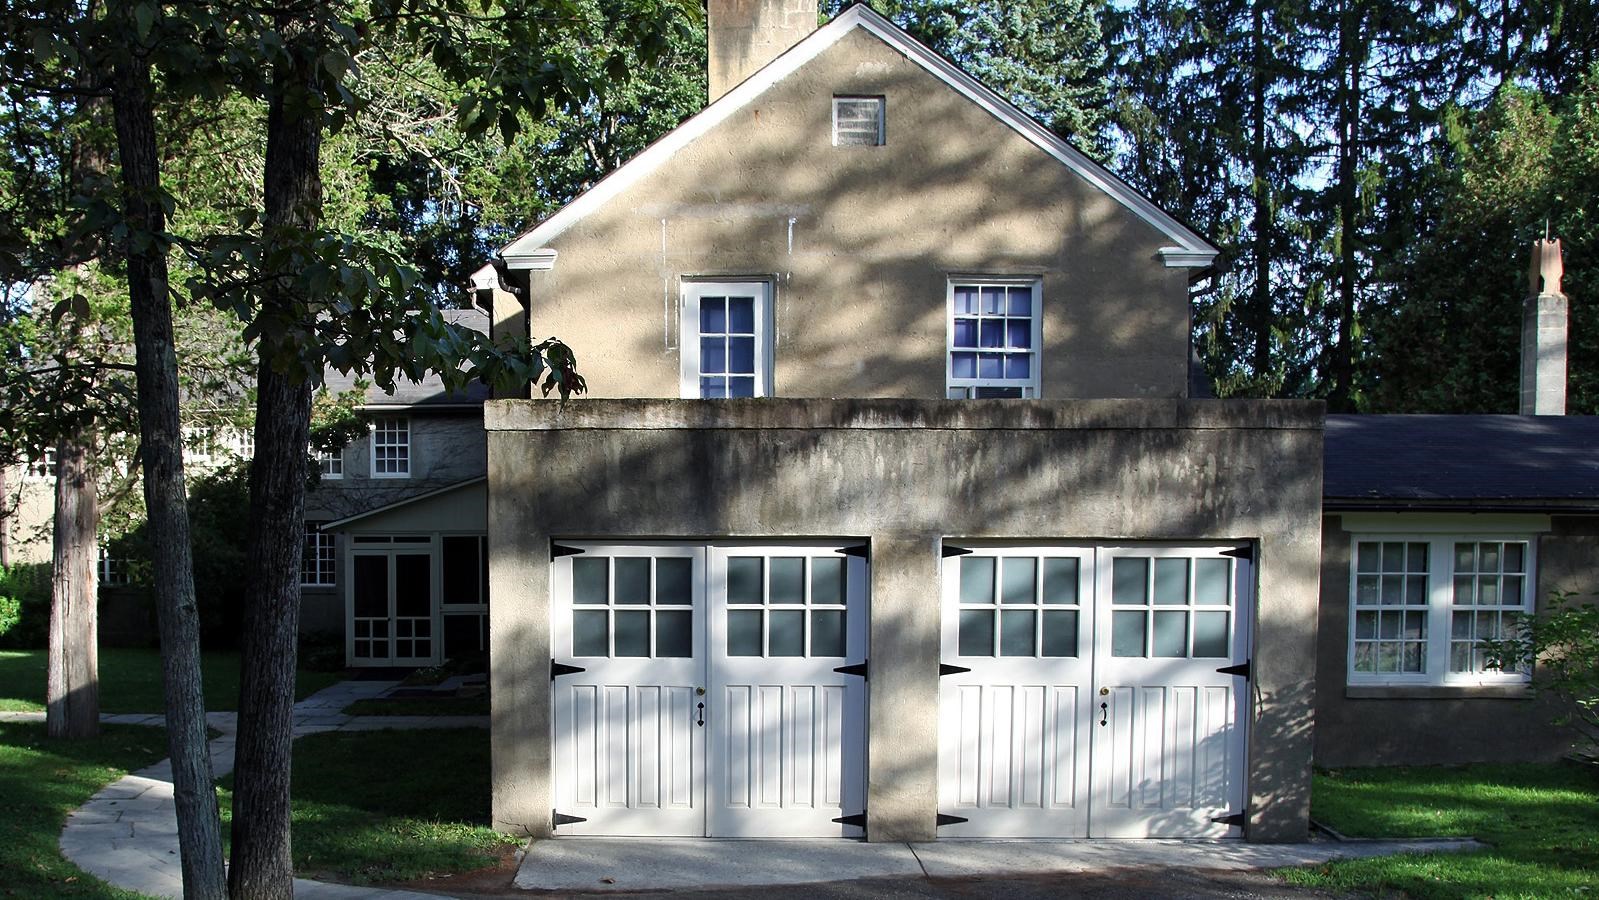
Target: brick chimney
{"points": [[1543, 335], [745, 35]]}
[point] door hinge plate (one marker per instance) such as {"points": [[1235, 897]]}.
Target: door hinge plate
{"points": [[945, 819], [1243, 669], [952, 550], [557, 819], [860, 550], [559, 550], [858, 820], [854, 669], [1234, 820], [947, 669], [558, 669]]}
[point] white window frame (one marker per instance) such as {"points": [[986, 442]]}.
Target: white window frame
{"points": [[402, 428], [689, 331], [112, 570], [882, 117], [964, 388], [1440, 608], [331, 465], [43, 468], [321, 551]]}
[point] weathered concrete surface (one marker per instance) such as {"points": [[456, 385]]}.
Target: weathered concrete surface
{"points": [[1441, 725], [744, 35], [903, 474], [859, 244]]}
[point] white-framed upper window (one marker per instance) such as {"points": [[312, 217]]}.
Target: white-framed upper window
{"points": [[43, 468], [727, 339], [331, 464], [858, 121], [1420, 605], [391, 447], [113, 570], [317, 559], [994, 336]]}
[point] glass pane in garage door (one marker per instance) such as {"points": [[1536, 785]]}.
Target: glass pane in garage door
{"points": [[632, 606], [1171, 607], [1019, 605]]}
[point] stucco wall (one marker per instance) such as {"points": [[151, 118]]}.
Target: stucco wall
{"points": [[29, 505], [447, 446], [860, 242], [1448, 725], [903, 475]]}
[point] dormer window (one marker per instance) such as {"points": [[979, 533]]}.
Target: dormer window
{"points": [[858, 121]]}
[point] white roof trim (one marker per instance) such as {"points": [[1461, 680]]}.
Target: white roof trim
{"points": [[426, 495], [1181, 258], [485, 279], [522, 252]]}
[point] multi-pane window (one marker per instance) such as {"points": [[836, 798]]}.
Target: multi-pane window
{"points": [[1015, 605], [858, 121], [317, 559], [1171, 607], [331, 464], [726, 340], [993, 339], [391, 447], [1420, 606], [633, 606], [44, 467], [786, 606], [113, 570]]}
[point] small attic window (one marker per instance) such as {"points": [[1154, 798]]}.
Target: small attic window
{"points": [[857, 121]]}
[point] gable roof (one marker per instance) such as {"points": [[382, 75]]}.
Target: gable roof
{"points": [[430, 391], [1188, 250], [1478, 462]]}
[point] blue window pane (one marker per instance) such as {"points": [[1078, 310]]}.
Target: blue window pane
{"points": [[741, 387], [993, 333], [965, 300], [741, 355], [741, 315], [994, 301], [1018, 365], [963, 365], [965, 332], [713, 387], [1019, 334], [991, 365], [1021, 301], [713, 355], [713, 315]]}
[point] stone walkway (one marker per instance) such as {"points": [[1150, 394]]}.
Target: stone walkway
{"points": [[127, 834]]}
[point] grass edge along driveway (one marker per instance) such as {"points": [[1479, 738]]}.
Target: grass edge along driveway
{"points": [[1541, 820]]}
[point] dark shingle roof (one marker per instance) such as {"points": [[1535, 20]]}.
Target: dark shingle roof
{"points": [[430, 390], [1462, 460]]}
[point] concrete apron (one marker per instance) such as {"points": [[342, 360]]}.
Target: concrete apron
{"points": [[647, 864]]}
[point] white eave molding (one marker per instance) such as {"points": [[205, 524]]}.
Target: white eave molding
{"points": [[530, 251]]}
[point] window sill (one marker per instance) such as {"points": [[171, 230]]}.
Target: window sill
{"points": [[1521, 691]]}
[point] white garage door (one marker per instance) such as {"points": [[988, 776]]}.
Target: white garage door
{"points": [[1082, 696], [697, 693]]}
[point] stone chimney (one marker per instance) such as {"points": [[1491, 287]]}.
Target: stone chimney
{"points": [[745, 35], [1543, 335]]}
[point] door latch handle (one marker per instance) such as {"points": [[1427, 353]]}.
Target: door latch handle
{"points": [[701, 721], [1104, 713]]}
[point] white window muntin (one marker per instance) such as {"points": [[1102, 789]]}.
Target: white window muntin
{"points": [[1437, 608], [858, 121], [318, 557], [994, 329], [391, 447], [43, 468], [743, 344], [331, 465]]}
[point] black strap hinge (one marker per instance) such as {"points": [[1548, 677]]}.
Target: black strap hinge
{"points": [[1247, 551], [952, 550], [860, 550], [1240, 669], [858, 820], [559, 550], [944, 819], [947, 669], [855, 669], [557, 819], [1235, 820], [559, 669]]}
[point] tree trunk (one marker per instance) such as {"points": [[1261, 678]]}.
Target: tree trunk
{"points": [[72, 678], [1351, 57], [263, 865], [5, 520], [1261, 309], [156, 369]]}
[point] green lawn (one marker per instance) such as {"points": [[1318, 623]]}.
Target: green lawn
{"points": [[130, 681], [420, 706], [40, 782], [1541, 820], [387, 806]]}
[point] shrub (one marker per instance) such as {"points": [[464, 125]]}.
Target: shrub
{"points": [[25, 605], [1562, 645]]}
